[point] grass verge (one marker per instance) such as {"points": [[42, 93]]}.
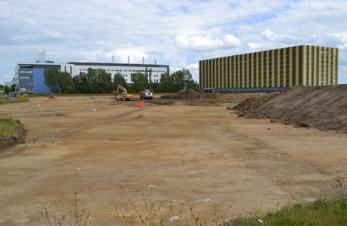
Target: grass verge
{"points": [[9, 127], [322, 212], [8, 100]]}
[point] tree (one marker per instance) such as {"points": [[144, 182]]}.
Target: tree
{"points": [[80, 83], [99, 81], [182, 78], [6, 90], [105, 81], [52, 79], [191, 84], [58, 81], [140, 82], [13, 88], [92, 81], [65, 82], [167, 84], [118, 79], [177, 81]]}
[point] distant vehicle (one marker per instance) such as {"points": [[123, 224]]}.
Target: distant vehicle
{"points": [[146, 94]]}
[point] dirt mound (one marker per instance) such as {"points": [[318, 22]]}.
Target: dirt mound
{"points": [[189, 94], [193, 98], [253, 103], [324, 108]]}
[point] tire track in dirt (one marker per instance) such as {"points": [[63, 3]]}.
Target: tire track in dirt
{"points": [[90, 124], [286, 172]]}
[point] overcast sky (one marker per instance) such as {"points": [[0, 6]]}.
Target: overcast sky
{"points": [[178, 33]]}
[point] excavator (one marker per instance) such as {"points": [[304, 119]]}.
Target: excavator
{"points": [[121, 94]]}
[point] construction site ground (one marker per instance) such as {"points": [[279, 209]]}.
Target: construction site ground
{"points": [[202, 157]]}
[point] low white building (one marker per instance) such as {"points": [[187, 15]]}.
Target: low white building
{"points": [[128, 71]]}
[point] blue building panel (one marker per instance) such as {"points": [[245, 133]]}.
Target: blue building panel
{"points": [[39, 81]]}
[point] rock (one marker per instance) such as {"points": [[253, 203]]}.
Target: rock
{"points": [[173, 218]]}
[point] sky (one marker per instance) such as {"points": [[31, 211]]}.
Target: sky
{"points": [[178, 33]]}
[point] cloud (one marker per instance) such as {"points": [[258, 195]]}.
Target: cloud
{"points": [[268, 34], [254, 46], [203, 43], [342, 40], [275, 37], [178, 33]]}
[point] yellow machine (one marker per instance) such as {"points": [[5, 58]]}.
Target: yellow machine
{"points": [[121, 94]]}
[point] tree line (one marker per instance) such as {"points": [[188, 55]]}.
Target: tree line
{"points": [[8, 89], [99, 81]]}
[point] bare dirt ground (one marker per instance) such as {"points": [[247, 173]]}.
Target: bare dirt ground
{"points": [[191, 156]]}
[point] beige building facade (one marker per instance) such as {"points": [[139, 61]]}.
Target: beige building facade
{"points": [[303, 65]]}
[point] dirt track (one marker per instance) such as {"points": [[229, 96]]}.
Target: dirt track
{"points": [[196, 155]]}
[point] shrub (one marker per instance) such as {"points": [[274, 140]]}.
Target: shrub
{"points": [[9, 127]]}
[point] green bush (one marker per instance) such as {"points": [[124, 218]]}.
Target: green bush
{"points": [[9, 127], [58, 82]]}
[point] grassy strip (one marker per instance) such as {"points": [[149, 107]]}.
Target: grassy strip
{"points": [[8, 100], [9, 127], [319, 213], [322, 212]]}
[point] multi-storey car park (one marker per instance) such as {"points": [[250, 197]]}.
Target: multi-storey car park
{"points": [[29, 77], [275, 69]]}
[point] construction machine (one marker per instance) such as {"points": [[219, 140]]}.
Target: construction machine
{"points": [[121, 94]]}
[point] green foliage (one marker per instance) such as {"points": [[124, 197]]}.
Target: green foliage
{"points": [[99, 81], [6, 90], [319, 213], [58, 81], [105, 81], [52, 79], [166, 84], [9, 127], [9, 100], [180, 77], [13, 88], [65, 82], [92, 80], [191, 84], [140, 83], [118, 79], [177, 81], [80, 84], [183, 80]]}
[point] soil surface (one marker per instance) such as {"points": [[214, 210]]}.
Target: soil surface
{"points": [[193, 98], [204, 157], [6, 142], [324, 108]]}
